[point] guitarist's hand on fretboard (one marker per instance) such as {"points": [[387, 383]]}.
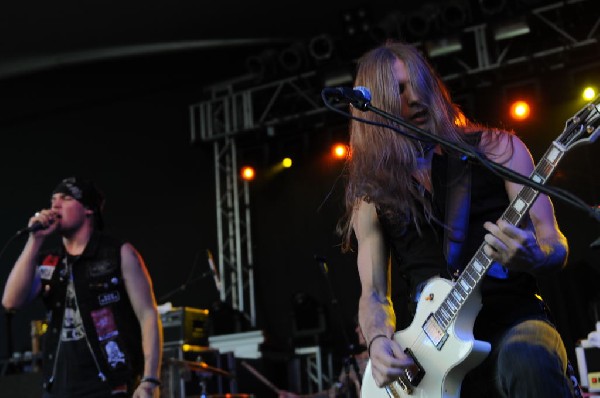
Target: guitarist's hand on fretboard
{"points": [[512, 247]]}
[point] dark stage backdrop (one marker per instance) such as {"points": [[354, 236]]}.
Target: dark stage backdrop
{"points": [[135, 143]]}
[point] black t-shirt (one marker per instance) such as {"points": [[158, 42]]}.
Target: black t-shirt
{"points": [[76, 372]]}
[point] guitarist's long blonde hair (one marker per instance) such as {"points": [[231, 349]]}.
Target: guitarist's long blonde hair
{"points": [[382, 163]]}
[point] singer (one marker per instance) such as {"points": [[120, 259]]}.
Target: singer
{"points": [[430, 211], [104, 337]]}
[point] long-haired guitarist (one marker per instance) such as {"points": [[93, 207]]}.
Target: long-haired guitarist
{"points": [[415, 205]]}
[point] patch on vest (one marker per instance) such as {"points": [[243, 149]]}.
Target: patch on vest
{"points": [[104, 322], [46, 271], [108, 298], [114, 355], [101, 268], [47, 267]]}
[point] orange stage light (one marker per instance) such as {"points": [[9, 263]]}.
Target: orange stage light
{"points": [[339, 151], [247, 173], [520, 110]]}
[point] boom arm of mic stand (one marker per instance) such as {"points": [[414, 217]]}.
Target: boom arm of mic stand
{"points": [[183, 286], [471, 154]]}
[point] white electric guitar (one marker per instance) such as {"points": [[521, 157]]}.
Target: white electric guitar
{"points": [[440, 337]]}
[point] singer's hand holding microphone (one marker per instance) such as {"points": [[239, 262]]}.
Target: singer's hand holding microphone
{"points": [[44, 220]]}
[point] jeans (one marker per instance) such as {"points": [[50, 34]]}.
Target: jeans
{"points": [[529, 361], [532, 362]]}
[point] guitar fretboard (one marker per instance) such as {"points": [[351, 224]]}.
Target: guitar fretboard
{"points": [[479, 264]]}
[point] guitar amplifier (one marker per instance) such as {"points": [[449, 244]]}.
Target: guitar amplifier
{"points": [[185, 325]]}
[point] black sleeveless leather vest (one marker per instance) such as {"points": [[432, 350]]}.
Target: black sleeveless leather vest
{"points": [[111, 326]]}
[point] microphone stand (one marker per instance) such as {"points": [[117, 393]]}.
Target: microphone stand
{"points": [[349, 359], [362, 103], [190, 280]]}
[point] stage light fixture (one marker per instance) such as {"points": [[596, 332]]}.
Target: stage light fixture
{"points": [[443, 46], [321, 47], [293, 58], [263, 64], [356, 21], [417, 23], [509, 30], [348, 22], [339, 151], [286, 162], [520, 110], [589, 93], [248, 173], [455, 13]]}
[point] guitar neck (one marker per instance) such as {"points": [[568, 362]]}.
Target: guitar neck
{"points": [[480, 263]]}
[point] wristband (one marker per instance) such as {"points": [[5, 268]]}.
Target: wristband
{"points": [[152, 380], [371, 342]]}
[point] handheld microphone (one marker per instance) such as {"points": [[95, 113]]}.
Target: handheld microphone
{"points": [[36, 226], [359, 96]]}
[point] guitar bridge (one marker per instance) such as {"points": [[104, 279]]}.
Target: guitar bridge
{"points": [[399, 388]]}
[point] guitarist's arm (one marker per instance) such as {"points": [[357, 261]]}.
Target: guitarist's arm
{"points": [[375, 311], [543, 249]]}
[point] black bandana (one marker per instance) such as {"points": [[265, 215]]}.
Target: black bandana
{"points": [[85, 192]]}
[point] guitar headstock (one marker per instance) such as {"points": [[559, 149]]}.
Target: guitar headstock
{"points": [[583, 127]]}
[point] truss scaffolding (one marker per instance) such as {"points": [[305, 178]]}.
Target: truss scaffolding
{"points": [[235, 260]]}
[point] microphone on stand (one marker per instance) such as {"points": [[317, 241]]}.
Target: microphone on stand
{"points": [[214, 271], [359, 96]]}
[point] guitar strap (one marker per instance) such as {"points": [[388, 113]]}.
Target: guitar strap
{"points": [[458, 204]]}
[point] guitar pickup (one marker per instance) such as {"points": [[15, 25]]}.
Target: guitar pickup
{"points": [[435, 332]]}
